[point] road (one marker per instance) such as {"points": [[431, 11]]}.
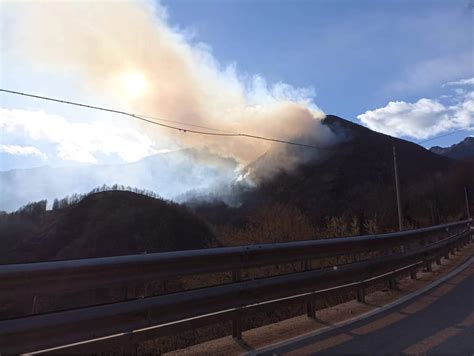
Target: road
{"points": [[438, 322]]}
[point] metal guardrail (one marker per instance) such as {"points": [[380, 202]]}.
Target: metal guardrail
{"points": [[129, 321], [101, 272]]}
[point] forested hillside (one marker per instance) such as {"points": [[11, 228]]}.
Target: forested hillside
{"points": [[100, 224]]}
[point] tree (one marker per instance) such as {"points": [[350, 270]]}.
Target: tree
{"points": [[371, 226], [276, 222], [64, 203], [35, 211], [337, 226]]}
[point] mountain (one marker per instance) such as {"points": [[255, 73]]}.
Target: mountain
{"points": [[170, 174], [355, 178], [461, 150], [102, 224], [352, 178]]}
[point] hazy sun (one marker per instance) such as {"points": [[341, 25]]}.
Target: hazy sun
{"points": [[134, 83]]}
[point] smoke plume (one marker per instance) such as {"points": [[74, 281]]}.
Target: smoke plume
{"points": [[130, 54]]}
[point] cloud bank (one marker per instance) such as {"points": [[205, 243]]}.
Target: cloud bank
{"points": [[22, 151], [73, 141], [426, 117]]}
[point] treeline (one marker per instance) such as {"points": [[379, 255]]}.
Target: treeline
{"points": [[279, 222], [37, 210], [283, 222], [34, 211], [77, 198], [39, 207]]}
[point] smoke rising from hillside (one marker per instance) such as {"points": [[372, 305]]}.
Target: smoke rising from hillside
{"points": [[128, 53]]}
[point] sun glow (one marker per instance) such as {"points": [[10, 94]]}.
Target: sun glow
{"points": [[133, 83]]}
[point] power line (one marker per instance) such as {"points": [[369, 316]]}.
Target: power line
{"points": [[106, 109], [153, 120], [444, 135], [218, 132], [185, 123]]}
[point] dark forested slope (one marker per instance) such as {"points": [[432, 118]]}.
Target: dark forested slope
{"points": [[356, 179], [102, 224]]}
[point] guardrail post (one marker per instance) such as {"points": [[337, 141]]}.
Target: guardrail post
{"points": [[311, 308], [310, 304], [438, 261], [428, 266], [237, 321], [392, 283], [446, 254], [413, 274], [361, 295], [237, 327]]}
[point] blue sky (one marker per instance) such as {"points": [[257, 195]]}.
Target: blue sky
{"points": [[357, 55], [400, 67]]}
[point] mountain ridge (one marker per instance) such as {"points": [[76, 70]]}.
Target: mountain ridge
{"points": [[356, 179], [461, 150]]}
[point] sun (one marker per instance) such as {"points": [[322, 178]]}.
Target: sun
{"points": [[134, 83]]}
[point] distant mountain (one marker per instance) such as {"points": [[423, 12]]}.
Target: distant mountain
{"points": [[355, 178], [102, 224], [461, 150], [168, 174]]}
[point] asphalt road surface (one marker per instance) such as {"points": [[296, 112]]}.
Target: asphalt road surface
{"points": [[438, 322]]}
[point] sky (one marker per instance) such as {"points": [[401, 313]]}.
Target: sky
{"points": [[404, 68], [357, 55]]}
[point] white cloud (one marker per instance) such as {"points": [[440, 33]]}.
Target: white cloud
{"points": [[22, 151], [422, 119], [467, 81], [77, 141]]}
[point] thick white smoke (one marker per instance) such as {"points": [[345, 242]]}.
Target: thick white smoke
{"points": [[129, 53]]}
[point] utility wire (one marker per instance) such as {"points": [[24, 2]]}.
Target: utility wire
{"points": [[153, 120], [106, 109], [185, 123], [444, 135]]}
